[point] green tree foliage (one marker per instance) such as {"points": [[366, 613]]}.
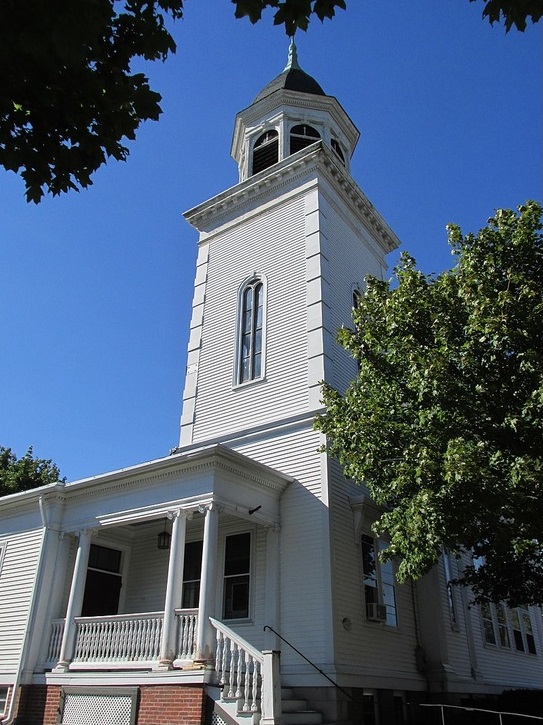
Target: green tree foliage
{"points": [[444, 422], [25, 473], [68, 97]]}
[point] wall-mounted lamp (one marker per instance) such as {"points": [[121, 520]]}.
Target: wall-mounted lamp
{"points": [[164, 539], [253, 511]]}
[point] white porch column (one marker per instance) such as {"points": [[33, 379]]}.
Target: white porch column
{"points": [[205, 644], [271, 602], [174, 587], [75, 602]]}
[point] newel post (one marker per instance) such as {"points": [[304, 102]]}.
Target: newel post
{"points": [[271, 688]]}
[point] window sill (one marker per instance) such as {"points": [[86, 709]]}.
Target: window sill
{"points": [[248, 383]]}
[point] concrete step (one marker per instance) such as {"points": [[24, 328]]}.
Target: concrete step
{"points": [[295, 710], [302, 717], [292, 705]]}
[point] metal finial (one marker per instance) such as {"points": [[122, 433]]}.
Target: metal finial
{"points": [[292, 61]]}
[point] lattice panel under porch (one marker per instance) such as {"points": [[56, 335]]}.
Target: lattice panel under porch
{"points": [[216, 720], [96, 709]]}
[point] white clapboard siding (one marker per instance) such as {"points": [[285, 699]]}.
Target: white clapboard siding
{"points": [[17, 578], [304, 558], [351, 260], [386, 649], [145, 579], [260, 244]]}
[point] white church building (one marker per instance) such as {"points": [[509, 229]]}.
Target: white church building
{"points": [[237, 579]]}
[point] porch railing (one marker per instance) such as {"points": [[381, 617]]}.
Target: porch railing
{"points": [[123, 639]]}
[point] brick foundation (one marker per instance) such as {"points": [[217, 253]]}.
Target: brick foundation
{"points": [[38, 705], [171, 705], [157, 705]]}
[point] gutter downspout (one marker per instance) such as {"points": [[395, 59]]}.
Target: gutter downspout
{"points": [[9, 717]]}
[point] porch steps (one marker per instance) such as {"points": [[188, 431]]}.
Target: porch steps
{"points": [[295, 710]]}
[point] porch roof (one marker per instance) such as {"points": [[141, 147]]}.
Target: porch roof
{"points": [[192, 477]]}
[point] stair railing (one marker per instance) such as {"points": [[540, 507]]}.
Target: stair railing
{"points": [[338, 687], [477, 709], [241, 668]]}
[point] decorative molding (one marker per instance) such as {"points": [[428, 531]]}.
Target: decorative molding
{"points": [[249, 194]]}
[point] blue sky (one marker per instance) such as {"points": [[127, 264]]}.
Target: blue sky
{"points": [[96, 287]]}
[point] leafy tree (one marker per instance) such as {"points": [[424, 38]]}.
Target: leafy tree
{"points": [[26, 472], [68, 97], [513, 12], [444, 422]]}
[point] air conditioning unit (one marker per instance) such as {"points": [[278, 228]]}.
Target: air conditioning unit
{"points": [[376, 612]]}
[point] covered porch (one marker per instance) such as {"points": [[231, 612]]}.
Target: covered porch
{"points": [[211, 554]]}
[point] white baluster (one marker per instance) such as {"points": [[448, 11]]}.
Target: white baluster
{"points": [[233, 671], [254, 684]]}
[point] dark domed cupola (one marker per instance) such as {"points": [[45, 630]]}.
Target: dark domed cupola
{"points": [[289, 114], [293, 78]]}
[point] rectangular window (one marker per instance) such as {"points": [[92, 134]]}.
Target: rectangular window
{"points": [[3, 697], [508, 628], [488, 623], [192, 570], [104, 581], [237, 565], [379, 583], [503, 631], [526, 625], [449, 585]]}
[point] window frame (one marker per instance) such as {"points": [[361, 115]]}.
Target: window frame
{"points": [[504, 628], [384, 577], [111, 542], [198, 581], [3, 547], [449, 589], [4, 694], [226, 578], [251, 282]]}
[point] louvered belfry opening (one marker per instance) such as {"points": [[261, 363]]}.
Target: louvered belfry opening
{"points": [[265, 151], [302, 136]]}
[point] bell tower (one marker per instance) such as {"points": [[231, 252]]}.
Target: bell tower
{"points": [[280, 256]]}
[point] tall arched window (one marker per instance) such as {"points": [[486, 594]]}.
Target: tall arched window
{"points": [[265, 151], [302, 136], [251, 331]]}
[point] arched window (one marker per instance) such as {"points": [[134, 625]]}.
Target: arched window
{"points": [[302, 136], [357, 297], [265, 151], [336, 148], [251, 321]]}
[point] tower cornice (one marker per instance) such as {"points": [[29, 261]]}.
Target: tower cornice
{"points": [[317, 160]]}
